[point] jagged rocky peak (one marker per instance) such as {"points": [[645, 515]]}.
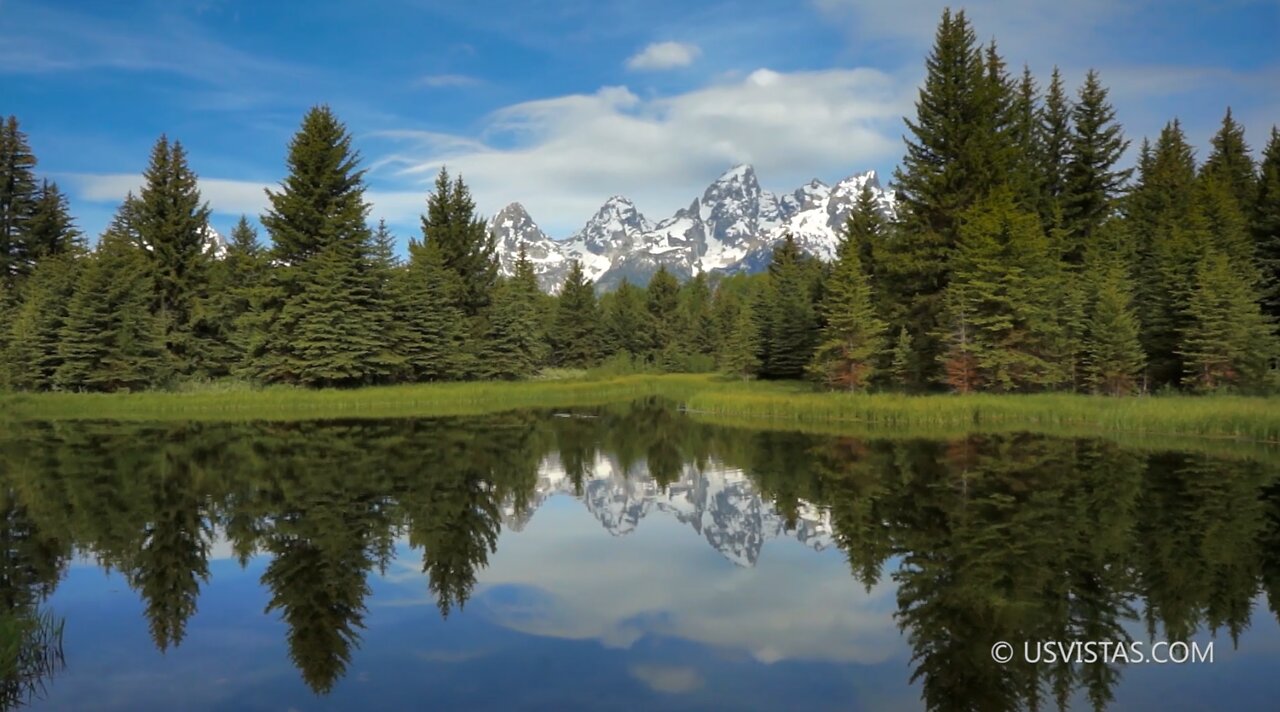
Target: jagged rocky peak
{"points": [[613, 228]]}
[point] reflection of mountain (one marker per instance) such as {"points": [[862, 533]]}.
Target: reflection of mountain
{"points": [[720, 503]]}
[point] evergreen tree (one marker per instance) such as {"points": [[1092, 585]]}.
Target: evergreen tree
{"points": [[1165, 213], [575, 334], [1266, 226], [1227, 342], [953, 160], [466, 244], [1027, 162], [232, 283], [515, 346], [1229, 162], [1055, 140], [1001, 322], [318, 317], [171, 223], [435, 325], [627, 327], [738, 353], [1114, 358], [387, 306], [110, 339], [663, 301], [18, 199], [852, 338], [51, 230], [696, 323], [31, 355], [900, 366], [793, 322], [1092, 181]]}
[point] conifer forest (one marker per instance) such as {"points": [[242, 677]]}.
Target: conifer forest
{"points": [[1024, 256]]}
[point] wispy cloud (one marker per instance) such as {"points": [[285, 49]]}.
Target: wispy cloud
{"points": [[664, 55], [561, 157], [437, 81]]}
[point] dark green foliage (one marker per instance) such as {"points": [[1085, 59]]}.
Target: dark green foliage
{"points": [[1266, 226], [1000, 326], [1164, 214], [1092, 181], [1114, 360], [232, 281], [696, 324], [321, 318], [1227, 343], [900, 366], [662, 300], [851, 339], [626, 320], [170, 222], [50, 231], [466, 245], [435, 326], [321, 200], [575, 334], [19, 196], [741, 343], [789, 298], [32, 354], [515, 346], [110, 338], [1229, 161], [1055, 144], [956, 155]]}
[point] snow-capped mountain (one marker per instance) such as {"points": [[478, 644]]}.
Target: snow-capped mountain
{"points": [[732, 227], [721, 504], [214, 243]]}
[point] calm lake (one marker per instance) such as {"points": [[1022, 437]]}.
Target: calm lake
{"points": [[624, 558]]}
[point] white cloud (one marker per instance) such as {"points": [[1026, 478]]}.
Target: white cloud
{"points": [[664, 55], [443, 81], [562, 157], [667, 678]]}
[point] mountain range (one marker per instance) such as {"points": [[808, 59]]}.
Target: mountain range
{"points": [[721, 504], [732, 227]]}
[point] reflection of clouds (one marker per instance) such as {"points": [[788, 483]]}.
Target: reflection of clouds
{"points": [[666, 678], [575, 582], [449, 656]]}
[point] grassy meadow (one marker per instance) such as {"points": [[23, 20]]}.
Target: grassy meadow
{"points": [[790, 405]]}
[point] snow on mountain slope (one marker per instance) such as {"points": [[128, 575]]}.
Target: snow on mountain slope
{"points": [[732, 227]]}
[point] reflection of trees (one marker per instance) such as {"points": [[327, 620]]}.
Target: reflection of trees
{"points": [[994, 537], [30, 637]]}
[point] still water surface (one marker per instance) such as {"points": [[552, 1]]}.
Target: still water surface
{"points": [[621, 558]]}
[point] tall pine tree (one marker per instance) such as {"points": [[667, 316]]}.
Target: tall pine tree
{"points": [[466, 244], [953, 160], [171, 224], [1227, 342], [1092, 181], [1266, 226], [435, 325], [18, 198], [575, 333], [1114, 359], [515, 346], [319, 316], [852, 337]]}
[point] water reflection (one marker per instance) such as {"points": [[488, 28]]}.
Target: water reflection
{"points": [[971, 541]]}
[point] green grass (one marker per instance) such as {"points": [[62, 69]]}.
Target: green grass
{"points": [[790, 405]]}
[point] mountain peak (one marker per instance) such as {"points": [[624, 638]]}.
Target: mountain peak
{"points": [[740, 171]]}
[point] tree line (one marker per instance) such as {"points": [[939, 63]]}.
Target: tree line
{"points": [[1022, 258]]}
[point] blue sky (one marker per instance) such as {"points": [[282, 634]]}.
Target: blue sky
{"points": [[561, 104]]}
